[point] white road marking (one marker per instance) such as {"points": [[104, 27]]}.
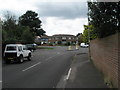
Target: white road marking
{"points": [[0, 81], [68, 74], [51, 57], [31, 66], [39, 63], [65, 78]]}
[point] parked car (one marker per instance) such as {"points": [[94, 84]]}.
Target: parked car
{"points": [[16, 52], [84, 45], [31, 47]]}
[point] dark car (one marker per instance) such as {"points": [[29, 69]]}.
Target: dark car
{"points": [[31, 47]]}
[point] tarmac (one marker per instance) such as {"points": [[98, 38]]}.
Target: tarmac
{"points": [[84, 74]]}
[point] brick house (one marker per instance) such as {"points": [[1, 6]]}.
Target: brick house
{"points": [[44, 39], [63, 39], [57, 39]]}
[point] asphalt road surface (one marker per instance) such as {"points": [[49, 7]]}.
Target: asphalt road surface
{"points": [[44, 71]]}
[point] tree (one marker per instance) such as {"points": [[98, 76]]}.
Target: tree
{"points": [[88, 29], [105, 17], [12, 32], [31, 19], [85, 34], [4, 36], [80, 38], [27, 36], [9, 29], [40, 32], [0, 30], [9, 25], [78, 34]]}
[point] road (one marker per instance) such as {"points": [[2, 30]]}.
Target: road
{"points": [[44, 71]]}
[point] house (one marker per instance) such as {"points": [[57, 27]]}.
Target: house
{"points": [[63, 39], [57, 39], [44, 39], [37, 40]]}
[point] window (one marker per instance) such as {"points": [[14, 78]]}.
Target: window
{"points": [[11, 48], [69, 38], [19, 48], [57, 38], [63, 37], [24, 48], [53, 38]]}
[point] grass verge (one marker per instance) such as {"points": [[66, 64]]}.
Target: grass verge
{"points": [[44, 48]]}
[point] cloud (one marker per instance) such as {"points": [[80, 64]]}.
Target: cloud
{"points": [[58, 16], [46, 8], [16, 7], [66, 10], [56, 25]]}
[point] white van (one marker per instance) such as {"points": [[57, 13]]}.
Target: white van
{"points": [[84, 45], [16, 52]]}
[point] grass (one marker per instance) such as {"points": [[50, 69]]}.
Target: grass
{"points": [[39, 47]]}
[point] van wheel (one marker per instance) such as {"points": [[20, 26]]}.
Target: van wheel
{"points": [[29, 57], [21, 59]]}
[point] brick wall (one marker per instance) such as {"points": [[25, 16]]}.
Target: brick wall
{"points": [[104, 53]]}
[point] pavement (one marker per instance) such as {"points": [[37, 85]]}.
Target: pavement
{"points": [[83, 74]]}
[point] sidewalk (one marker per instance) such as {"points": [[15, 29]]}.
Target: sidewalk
{"points": [[84, 74]]}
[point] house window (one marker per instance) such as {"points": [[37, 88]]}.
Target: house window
{"points": [[57, 38], [69, 38], [20, 48], [63, 37], [53, 38]]}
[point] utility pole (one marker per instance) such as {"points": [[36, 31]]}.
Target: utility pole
{"points": [[0, 31], [0, 52], [89, 33]]}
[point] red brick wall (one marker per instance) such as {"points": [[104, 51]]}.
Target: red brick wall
{"points": [[104, 53]]}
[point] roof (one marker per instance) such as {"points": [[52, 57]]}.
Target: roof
{"points": [[63, 35], [13, 44], [42, 37]]}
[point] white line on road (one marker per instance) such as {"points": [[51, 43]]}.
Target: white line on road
{"points": [[39, 63], [31, 66], [52, 57], [68, 74], [0, 81], [49, 58]]}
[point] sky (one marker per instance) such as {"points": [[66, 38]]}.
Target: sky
{"points": [[57, 16]]}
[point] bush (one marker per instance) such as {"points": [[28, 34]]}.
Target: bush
{"points": [[50, 44]]}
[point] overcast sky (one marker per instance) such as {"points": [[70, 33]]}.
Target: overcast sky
{"points": [[57, 16]]}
